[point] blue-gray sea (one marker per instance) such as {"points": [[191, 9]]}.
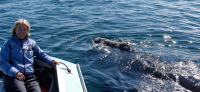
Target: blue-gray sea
{"points": [[168, 31]]}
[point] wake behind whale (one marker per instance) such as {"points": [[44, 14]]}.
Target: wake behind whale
{"points": [[156, 66]]}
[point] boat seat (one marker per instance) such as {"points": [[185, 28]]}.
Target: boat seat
{"points": [[43, 72], [40, 63]]}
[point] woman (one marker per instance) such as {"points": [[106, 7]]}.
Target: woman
{"points": [[16, 59]]}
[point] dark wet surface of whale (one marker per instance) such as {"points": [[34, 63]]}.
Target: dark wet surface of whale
{"points": [[188, 82]]}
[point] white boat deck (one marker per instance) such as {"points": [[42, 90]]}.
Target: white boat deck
{"points": [[70, 82]]}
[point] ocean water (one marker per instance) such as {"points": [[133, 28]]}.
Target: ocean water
{"points": [[166, 31]]}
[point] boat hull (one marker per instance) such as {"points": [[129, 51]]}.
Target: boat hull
{"points": [[56, 79]]}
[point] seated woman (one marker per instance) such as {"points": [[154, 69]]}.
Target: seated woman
{"points": [[16, 61]]}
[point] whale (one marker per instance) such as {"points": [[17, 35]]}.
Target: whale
{"points": [[120, 45], [188, 82]]}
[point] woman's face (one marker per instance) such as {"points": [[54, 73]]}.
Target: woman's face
{"points": [[21, 31]]}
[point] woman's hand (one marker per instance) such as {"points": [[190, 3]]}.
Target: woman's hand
{"points": [[20, 76], [53, 63]]}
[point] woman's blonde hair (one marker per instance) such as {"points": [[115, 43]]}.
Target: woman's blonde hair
{"points": [[21, 21]]}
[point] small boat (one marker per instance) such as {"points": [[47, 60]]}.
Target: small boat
{"points": [[66, 77]]}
